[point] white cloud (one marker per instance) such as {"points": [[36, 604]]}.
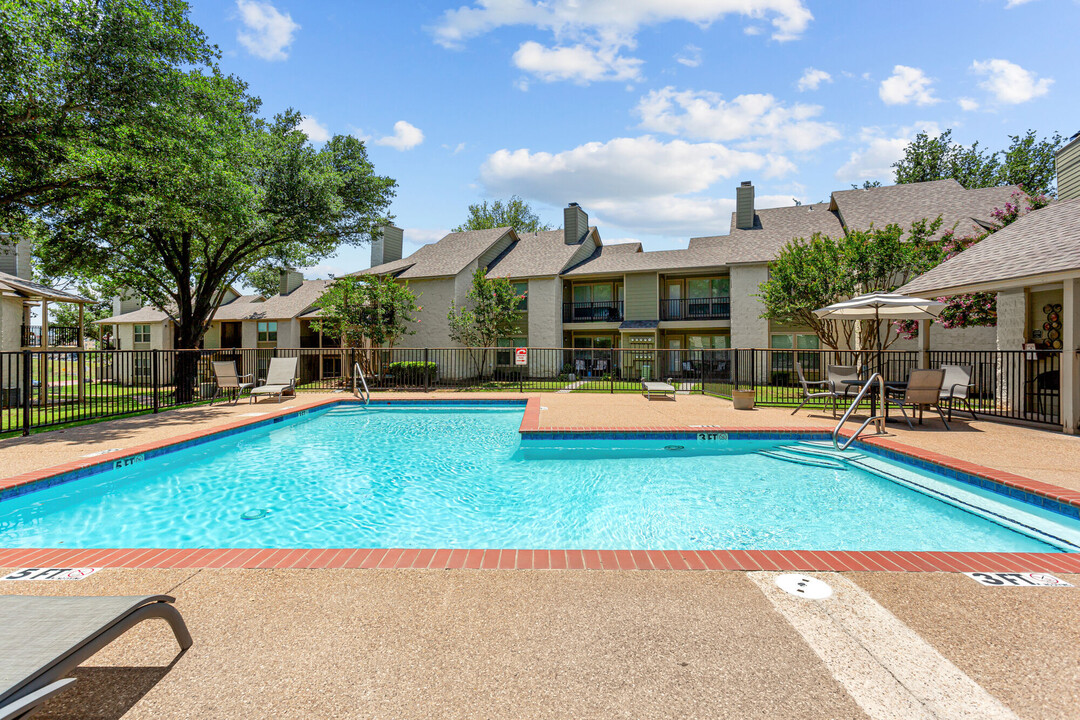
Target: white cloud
{"points": [[690, 56], [1008, 82], [270, 32], [1016, 3], [316, 131], [874, 160], [579, 63], [907, 85], [812, 78], [758, 120], [589, 36], [406, 136], [967, 104], [639, 183]]}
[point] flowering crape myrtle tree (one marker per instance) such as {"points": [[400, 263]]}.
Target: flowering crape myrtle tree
{"points": [[974, 309], [492, 313]]}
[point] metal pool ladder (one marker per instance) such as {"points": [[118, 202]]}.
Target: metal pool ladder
{"points": [[851, 408], [358, 373]]}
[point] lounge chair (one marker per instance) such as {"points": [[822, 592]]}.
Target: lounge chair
{"points": [[648, 389], [956, 386], [923, 391], [831, 394], [44, 638], [280, 379], [228, 381]]}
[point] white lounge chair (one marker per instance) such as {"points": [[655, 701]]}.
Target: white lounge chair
{"points": [[648, 389], [280, 379], [45, 638]]}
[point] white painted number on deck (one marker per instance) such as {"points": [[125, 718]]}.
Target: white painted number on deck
{"points": [[128, 461], [51, 573], [1017, 579], [712, 437]]}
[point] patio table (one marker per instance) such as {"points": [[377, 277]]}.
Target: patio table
{"points": [[890, 385]]}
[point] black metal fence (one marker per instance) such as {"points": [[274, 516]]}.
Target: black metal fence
{"points": [[43, 389]]}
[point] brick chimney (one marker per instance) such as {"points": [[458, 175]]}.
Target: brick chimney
{"points": [[575, 224], [744, 206], [386, 246]]}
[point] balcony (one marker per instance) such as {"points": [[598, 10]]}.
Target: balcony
{"points": [[712, 308], [603, 311], [59, 336]]}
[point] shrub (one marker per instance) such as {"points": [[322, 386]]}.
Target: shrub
{"points": [[413, 372]]}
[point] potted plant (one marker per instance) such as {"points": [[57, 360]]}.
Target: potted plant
{"points": [[743, 399]]}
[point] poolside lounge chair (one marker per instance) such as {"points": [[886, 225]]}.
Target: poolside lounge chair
{"points": [[228, 381], [956, 386], [45, 638], [923, 391], [280, 379], [832, 394], [648, 389]]}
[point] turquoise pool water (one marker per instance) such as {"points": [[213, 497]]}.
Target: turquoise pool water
{"points": [[461, 477]]}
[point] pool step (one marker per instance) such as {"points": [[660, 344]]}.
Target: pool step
{"points": [[802, 459], [822, 449]]}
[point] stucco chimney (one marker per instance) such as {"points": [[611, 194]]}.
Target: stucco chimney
{"points": [[15, 256], [125, 302], [386, 246], [744, 206], [575, 224], [290, 280]]}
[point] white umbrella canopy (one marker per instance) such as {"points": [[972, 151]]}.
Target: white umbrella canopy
{"points": [[879, 306]]}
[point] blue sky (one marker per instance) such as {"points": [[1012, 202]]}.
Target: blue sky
{"points": [[647, 112]]}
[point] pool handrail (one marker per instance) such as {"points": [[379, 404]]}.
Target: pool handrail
{"points": [[851, 408], [358, 373]]}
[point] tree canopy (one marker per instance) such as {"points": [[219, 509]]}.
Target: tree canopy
{"points": [[1028, 162], [367, 309], [515, 213], [492, 313], [74, 78]]}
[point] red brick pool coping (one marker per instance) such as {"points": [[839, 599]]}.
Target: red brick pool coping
{"points": [[504, 559]]}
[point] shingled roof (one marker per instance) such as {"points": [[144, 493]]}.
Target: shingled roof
{"points": [[31, 289], [539, 254], [1042, 242], [965, 211], [446, 257], [244, 307]]}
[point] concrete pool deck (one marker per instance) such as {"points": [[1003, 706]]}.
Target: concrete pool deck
{"points": [[567, 644]]}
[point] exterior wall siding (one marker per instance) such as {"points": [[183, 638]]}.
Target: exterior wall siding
{"points": [[11, 317], [545, 321], [642, 296], [1068, 171], [434, 298], [748, 328]]}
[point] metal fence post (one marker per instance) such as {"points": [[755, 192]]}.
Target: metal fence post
{"points": [[154, 379], [611, 371], [27, 391], [427, 372], [703, 371]]}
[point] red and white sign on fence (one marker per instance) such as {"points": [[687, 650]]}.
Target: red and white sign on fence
{"points": [[521, 356]]}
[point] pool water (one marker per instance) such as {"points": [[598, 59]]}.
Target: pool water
{"points": [[452, 477]]}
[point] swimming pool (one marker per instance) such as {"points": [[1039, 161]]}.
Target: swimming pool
{"points": [[463, 477]]}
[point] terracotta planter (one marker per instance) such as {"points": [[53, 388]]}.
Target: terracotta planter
{"points": [[743, 399]]}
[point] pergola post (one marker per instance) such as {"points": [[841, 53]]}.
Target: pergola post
{"points": [[924, 343], [43, 359], [1070, 334], [81, 355]]}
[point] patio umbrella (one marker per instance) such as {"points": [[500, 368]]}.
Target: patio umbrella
{"points": [[879, 306]]}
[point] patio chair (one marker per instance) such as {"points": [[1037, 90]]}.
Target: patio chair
{"points": [[648, 389], [45, 638], [280, 378], [229, 381], [601, 366], [808, 395], [923, 391], [956, 386], [580, 368], [837, 374]]}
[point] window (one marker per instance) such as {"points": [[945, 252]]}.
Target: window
{"points": [[142, 367], [267, 332], [142, 333], [785, 361], [506, 357], [594, 293], [522, 288], [708, 287]]}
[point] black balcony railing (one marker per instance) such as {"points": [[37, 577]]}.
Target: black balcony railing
{"points": [[713, 308], [602, 311], [59, 336]]}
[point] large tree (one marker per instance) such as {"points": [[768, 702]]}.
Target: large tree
{"points": [[515, 213], [367, 311], [1028, 162], [74, 77]]}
